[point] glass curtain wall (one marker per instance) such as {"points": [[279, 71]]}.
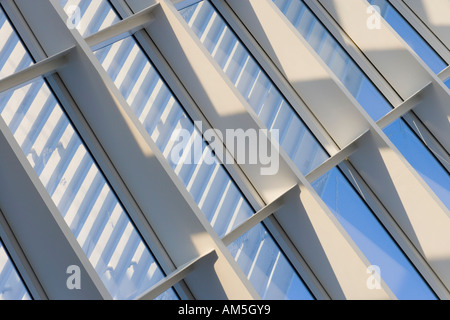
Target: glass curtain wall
{"points": [[194, 162], [419, 154], [410, 35], [256, 87], [11, 285], [76, 185]]}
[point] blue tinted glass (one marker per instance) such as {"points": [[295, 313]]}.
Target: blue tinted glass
{"points": [[175, 135], [89, 16], [411, 36], [447, 82], [13, 56], [258, 256], [255, 86], [366, 93], [424, 163], [370, 236], [79, 190], [337, 59], [11, 285], [193, 161]]}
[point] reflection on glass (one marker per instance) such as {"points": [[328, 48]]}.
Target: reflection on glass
{"points": [[410, 35], [424, 163], [334, 55], [266, 267], [11, 285], [13, 56], [360, 86], [175, 135], [79, 190], [77, 187], [89, 16], [447, 83], [204, 176], [255, 86], [370, 236]]}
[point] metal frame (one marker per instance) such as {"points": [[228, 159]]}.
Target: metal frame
{"points": [[396, 113], [380, 82]]}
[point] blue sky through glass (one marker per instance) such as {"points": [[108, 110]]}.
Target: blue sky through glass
{"points": [[11, 285], [209, 183], [447, 83], [362, 88], [410, 35], [76, 185], [353, 212], [371, 237]]}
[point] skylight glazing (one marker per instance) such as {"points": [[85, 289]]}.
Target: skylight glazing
{"points": [[11, 285], [370, 98], [240, 67], [78, 188], [204, 176], [89, 16], [371, 237], [255, 86], [410, 35]]}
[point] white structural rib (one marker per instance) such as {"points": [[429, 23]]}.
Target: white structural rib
{"points": [[173, 278], [335, 160], [258, 217], [122, 29], [42, 68], [445, 74], [403, 108]]}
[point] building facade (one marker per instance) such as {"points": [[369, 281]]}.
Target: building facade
{"points": [[224, 149]]}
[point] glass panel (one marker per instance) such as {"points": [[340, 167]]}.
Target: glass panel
{"points": [[447, 83], [421, 158], [79, 190], [89, 16], [255, 86], [370, 236], [11, 285], [423, 161], [175, 135], [335, 57], [195, 164], [13, 56], [267, 268], [410, 35]]}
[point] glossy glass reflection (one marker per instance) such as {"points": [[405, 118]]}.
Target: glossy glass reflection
{"points": [[334, 55], [79, 190], [266, 267], [75, 184], [447, 83], [421, 159], [11, 285], [370, 236], [89, 16], [410, 35], [13, 56], [255, 86], [203, 175], [175, 135], [365, 92]]}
